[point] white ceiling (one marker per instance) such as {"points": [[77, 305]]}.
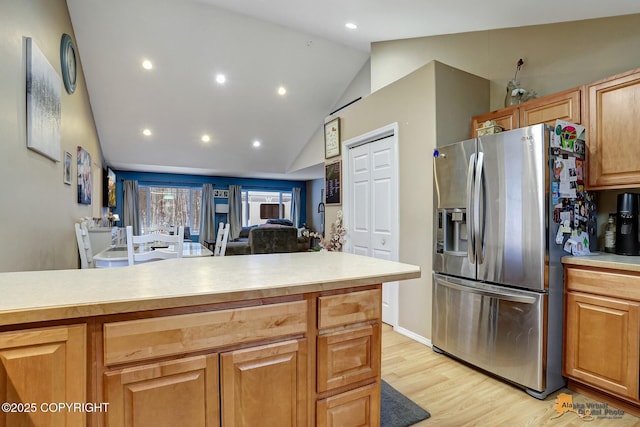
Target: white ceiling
{"points": [[259, 45]]}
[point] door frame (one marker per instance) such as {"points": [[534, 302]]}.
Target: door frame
{"points": [[390, 130]]}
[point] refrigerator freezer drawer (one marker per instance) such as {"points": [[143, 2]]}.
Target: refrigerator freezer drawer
{"points": [[492, 327]]}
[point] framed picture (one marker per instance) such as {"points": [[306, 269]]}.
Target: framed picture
{"points": [[109, 188], [85, 185], [44, 91], [332, 138], [66, 169], [332, 182]]}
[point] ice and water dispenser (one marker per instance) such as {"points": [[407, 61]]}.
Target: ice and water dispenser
{"points": [[451, 233]]}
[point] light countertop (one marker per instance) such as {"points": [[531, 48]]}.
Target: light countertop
{"points": [[64, 294], [605, 260]]}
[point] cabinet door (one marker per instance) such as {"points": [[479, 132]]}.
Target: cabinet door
{"points": [[355, 408], [181, 392], [348, 356], [41, 367], [507, 118], [601, 342], [265, 385], [559, 106], [614, 132]]}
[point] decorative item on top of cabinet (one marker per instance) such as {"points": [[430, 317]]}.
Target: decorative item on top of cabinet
{"points": [[516, 94], [614, 131]]}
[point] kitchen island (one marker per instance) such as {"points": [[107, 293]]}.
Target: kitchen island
{"points": [[602, 328], [279, 339]]}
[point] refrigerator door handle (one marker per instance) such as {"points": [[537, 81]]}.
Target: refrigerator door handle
{"points": [[478, 239], [470, 184], [506, 296]]}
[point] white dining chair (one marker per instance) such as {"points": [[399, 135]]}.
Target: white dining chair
{"points": [[154, 254], [84, 245], [221, 239]]}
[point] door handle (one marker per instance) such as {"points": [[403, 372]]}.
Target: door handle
{"points": [[471, 246], [477, 231], [383, 242], [505, 296]]}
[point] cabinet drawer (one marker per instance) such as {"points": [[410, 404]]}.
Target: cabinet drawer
{"points": [[348, 356], [359, 407], [604, 282], [354, 307], [142, 339]]}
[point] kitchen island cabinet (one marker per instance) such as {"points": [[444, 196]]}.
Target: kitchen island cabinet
{"points": [[39, 368], [231, 341], [601, 329]]}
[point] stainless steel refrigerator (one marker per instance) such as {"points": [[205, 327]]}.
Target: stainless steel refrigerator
{"points": [[497, 275]]}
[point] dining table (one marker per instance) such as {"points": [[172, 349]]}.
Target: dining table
{"points": [[117, 256]]}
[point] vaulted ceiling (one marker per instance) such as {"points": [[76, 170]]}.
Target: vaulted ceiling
{"points": [[260, 46]]}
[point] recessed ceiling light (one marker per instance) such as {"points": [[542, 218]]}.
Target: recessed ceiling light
{"points": [[256, 143], [282, 91], [146, 132], [351, 26], [147, 65], [221, 78], [206, 138]]}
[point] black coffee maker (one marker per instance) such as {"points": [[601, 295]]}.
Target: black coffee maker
{"points": [[627, 239]]}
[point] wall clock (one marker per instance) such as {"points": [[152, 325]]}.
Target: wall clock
{"points": [[68, 63], [332, 138]]}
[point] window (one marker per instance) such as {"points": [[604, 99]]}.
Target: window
{"points": [[276, 203], [170, 206]]}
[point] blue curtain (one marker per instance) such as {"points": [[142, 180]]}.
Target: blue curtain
{"points": [[131, 209], [207, 214]]}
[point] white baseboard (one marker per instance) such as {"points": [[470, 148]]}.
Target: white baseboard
{"points": [[412, 335]]}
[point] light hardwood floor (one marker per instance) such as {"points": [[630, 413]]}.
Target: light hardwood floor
{"points": [[457, 395]]}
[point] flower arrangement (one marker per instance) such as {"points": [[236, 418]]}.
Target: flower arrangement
{"points": [[515, 93], [336, 238]]}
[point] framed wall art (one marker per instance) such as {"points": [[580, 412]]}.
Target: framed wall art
{"points": [[44, 91], [332, 138], [332, 183], [85, 185], [66, 169]]}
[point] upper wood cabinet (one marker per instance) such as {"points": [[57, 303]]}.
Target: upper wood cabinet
{"points": [[614, 131], [558, 106], [565, 105], [507, 118], [45, 366]]}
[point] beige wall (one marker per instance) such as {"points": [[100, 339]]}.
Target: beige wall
{"points": [[412, 102], [38, 210], [556, 56]]}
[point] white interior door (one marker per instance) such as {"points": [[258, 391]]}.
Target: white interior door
{"points": [[373, 209]]}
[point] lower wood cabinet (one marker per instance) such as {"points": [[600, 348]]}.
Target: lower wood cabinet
{"points": [[265, 385], [174, 393], [601, 334], [602, 342], [346, 357], [354, 408], [39, 368]]}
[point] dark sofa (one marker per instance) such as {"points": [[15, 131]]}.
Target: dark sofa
{"points": [[266, 239]]}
